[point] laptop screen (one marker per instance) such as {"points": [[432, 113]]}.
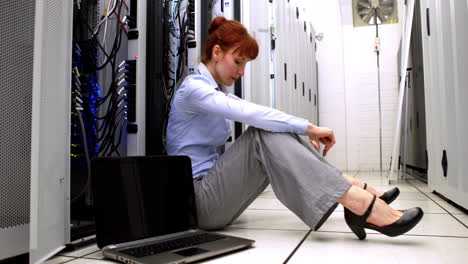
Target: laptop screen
{"points": [[141, 197]]}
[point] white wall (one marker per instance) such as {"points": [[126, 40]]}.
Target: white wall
{"points": [[326, 19], [362, 90], [348, 86]]}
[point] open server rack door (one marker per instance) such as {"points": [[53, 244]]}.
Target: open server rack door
{"points": [[34, 168], [16, 75]]}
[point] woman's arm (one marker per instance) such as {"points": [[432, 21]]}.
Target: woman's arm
{"points": [[196, 96]]}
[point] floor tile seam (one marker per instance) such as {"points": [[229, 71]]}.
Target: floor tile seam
{"points": [[424, 213], [78, 256], [297, 247], [407, 235], [60, 255], [91, 253], [343, 232], [74, 258], [412, 200], [440, 213], [458, 220], [97, 258], [267, 229], [255, 209], [339, 211]]}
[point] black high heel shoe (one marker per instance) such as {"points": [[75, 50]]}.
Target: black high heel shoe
{"points": [[406, 222], [388, 196]]}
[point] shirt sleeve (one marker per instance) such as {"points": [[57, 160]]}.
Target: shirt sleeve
{"points": [[197, 95]]}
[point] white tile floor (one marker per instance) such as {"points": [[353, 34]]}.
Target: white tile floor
{"points": [[441, 237]]}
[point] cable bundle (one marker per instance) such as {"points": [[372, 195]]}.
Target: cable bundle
{"points": [[99, 113], [177, 24]]}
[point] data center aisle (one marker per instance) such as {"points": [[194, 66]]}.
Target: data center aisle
{"points": [[441, 237]]}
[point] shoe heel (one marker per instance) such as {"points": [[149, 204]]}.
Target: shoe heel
{"points": [[357, 223], [358, 231]]}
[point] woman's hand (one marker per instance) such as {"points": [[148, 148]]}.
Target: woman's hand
{"points": [[322, 135]]}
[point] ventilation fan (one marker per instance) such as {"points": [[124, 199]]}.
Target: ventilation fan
{"points": [[374, 12]]}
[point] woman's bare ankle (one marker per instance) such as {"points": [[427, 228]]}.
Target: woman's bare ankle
{"points": [[353, 181], [356, 200], [361, 185], [373, 191]]}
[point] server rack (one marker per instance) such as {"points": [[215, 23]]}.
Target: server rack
{"points": [[446, 75]]}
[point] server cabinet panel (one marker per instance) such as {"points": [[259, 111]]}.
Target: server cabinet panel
{"points": [[50, 152], [16, 75]]}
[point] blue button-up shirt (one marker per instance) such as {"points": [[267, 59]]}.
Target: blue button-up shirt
{"points": [[201, 115]]}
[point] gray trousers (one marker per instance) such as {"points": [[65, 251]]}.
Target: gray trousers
{"points": [[300, 177]]}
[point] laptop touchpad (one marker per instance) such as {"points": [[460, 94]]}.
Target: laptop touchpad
{"points": [[190, 251]]}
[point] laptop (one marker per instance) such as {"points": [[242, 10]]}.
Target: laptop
{"points": [[145, 212]]}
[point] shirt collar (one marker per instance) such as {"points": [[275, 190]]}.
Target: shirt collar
{"points": [[203, 70]]}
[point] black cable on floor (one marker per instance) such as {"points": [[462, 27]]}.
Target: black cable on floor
{"points": [[297, 247], [305, 237]]}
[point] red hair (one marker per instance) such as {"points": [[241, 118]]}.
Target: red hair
{"points": [[227, 34]]}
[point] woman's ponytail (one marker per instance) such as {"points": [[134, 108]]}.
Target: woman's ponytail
{"points": [[215, 24]]}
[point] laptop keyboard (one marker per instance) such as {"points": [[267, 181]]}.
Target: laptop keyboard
{"points": [[158, 247]]}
